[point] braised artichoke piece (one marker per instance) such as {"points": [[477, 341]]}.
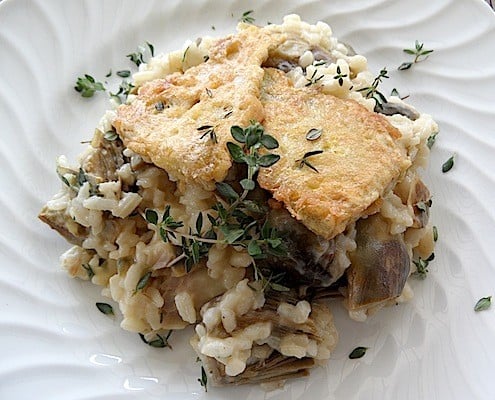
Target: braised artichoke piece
{"points": [[105, 157], [60, 221], [245, 338], [308, 257], [380, 265]]}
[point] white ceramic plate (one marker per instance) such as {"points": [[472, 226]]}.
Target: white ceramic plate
{"points": [[55, 344]]}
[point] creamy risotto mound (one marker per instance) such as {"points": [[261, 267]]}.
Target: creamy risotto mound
{"points": [[249, 184]]}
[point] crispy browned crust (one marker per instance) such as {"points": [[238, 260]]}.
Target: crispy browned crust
{"points": [[360, 158], [221, 92]]}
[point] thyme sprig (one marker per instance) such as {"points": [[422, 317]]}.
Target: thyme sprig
{"points": [[272, 282], [138, 57], [313, 79], [419, 53], [304, 160], [372, 92], [234, 219], [88, 86], [339, 76], [422, 266], [159, 342], [247, 17]]}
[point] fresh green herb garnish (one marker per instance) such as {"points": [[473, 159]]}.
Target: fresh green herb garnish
{"points": [[372, 92], [431, 139], [143, 281], [483, 304], [272, 281], [208, 130], [419, 54], [87, 86], [138, 57], [313, 80], [89, 270], [247, 17], [124, 73], [395, 92], [422, 266], [447, 165], [121, 95], [109, 74], [105, 308], [235, 220], [304, 160], [110, 135], [340, 76], [435, 233], [151, 48], [160, 341], [204, 379], [313, 134], [151, 216], [358, 352]]}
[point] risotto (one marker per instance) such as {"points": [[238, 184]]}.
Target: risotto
{"points": [[247, 181]]}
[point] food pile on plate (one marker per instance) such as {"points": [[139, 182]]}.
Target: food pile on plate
{"points": [[248, 185]]}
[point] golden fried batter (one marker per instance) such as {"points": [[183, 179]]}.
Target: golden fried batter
{"points": [[360, 159], [221, 92]]}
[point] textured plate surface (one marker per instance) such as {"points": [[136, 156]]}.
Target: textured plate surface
{"points": [[56, 345]]}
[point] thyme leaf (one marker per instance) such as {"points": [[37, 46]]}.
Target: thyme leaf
{"points": [[483, 304], [204, 379], [110, 135], [304, 160], [124, 73], [431, 139], [435, 233], [447, 165], [313, 134], [143, 281], [105, 308], [151, 216], [358, 352]]}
